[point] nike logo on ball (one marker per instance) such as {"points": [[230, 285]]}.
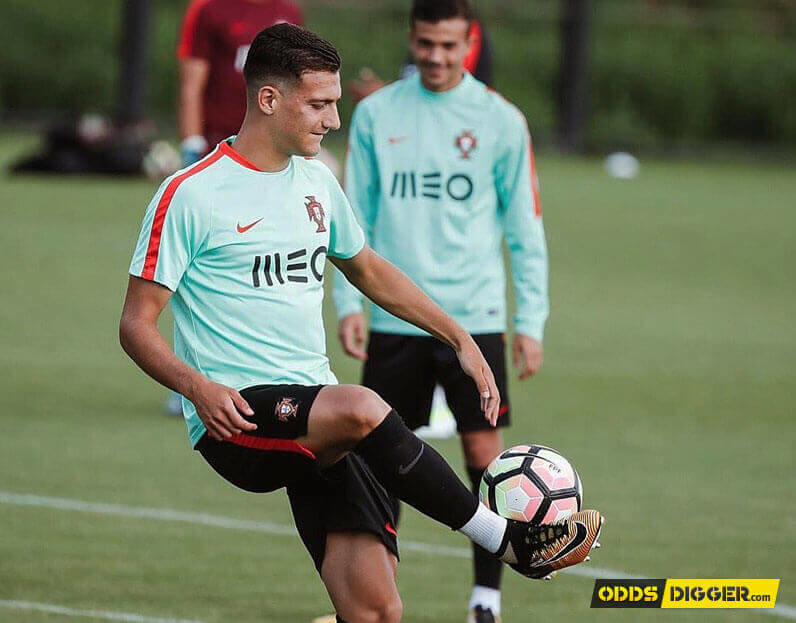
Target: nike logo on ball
{"points": [[403, 471], [243, 230]]}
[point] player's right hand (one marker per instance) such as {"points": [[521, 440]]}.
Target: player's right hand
{"points": [[352, 332], [220, 408]]}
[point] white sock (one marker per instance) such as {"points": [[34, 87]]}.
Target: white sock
{"points": [[487, 598], [485, 528]]}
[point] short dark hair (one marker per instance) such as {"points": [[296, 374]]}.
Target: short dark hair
{"points": [[285, 52], [437, 10]]}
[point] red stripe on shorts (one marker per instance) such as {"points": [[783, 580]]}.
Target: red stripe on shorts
{"points": [[270, 444]]}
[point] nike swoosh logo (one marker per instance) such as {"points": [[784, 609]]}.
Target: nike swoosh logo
{"points": [[403, 471], [574, 544], [243, 230], [397, 139]]}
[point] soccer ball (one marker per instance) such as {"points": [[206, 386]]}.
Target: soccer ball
{"points": [[533, 484]]}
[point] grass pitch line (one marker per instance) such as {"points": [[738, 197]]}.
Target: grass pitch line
{"points": [[88, 614], [167, 514]]}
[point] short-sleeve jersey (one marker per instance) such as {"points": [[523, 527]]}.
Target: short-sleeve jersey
{"points": [[244, 252], [439, 181], [220, 32]]}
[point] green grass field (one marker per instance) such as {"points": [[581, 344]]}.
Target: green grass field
{"points": [[669, 382]]}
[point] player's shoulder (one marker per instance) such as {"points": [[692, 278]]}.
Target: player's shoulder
{"points": [[501, 108], [386, 96], [314, 168], [194, 185]]}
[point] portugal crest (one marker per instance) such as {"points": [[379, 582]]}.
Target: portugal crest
{"points": [[466, 143], [316, 213], [286, 409]]}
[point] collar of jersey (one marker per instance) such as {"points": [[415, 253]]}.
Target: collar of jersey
{"points": [[433, 95], [226, 148]]}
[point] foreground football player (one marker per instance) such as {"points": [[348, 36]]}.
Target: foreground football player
{"points": [[440, 171], [238, 243]]}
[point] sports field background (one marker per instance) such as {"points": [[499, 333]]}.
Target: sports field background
{"points": [[668, 381]]}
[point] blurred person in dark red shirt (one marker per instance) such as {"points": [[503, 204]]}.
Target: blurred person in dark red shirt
{"points": [[213, 44]]}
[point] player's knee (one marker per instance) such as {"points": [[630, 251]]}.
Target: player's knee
{"points": [[365, 410], [389, 610], [393, 611], [481, 447]]}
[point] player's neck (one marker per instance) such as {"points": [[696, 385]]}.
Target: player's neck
{"points": [[443, 88], [256, 146]]}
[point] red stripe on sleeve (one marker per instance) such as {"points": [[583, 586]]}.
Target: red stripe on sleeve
{"points": [[185, 45], [151, 261], [269, 444], [537, 202], [474, 55]]}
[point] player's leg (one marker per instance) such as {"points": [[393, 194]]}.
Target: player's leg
{"points": [[480, 445], [336, 419], [479, 448], [350, 417], [400, 369], [344, 518], [359, 574]]}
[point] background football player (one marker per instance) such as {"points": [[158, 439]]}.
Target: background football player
{"points": [[440, 171]]}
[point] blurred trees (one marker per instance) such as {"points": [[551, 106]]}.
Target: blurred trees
{"points": [[663, 72]]}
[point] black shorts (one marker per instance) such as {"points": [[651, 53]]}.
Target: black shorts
{"points": [[404, 369], [343, 498]]}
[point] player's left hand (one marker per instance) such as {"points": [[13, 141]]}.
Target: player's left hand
{"points": [[528, 355], [475, 366]]}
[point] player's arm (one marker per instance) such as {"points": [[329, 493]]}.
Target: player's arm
{"points": [[393, 291], [363, 188], [193, 52], [193, 81], [217, 405], [517, 188]]}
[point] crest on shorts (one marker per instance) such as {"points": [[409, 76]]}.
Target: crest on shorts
{"points": [[316, 213], [286, 409], [466, 143]]}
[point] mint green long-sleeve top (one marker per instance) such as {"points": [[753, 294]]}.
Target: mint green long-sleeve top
{"points": [[438, 181]]}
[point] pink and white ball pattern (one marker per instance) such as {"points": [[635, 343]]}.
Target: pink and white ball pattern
{"points": [[520, 498]]}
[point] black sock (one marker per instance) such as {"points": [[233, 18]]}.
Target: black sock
{"points": [[414, 472], [487, 569]]}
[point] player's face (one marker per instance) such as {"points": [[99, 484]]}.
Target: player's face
{"points": [[310, 112], [439, 50]]}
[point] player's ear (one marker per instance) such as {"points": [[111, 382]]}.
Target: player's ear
{"points": [[266, 99]]}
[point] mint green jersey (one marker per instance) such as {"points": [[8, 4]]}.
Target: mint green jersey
{"points": [[438, 180], [244, 253]]}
